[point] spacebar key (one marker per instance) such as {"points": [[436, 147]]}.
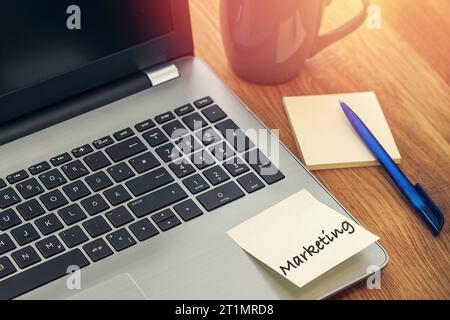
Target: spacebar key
{"points": [[157, 200], [220, 196], [41, 274]]}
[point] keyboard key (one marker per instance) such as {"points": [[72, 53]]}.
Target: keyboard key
{"points": [[145, 125], [2, 183], [216, 175], [166, 116], [41, 274], [38, 168], [98, 181], [120, 239], [208, 136], [120, 172], [8, 219], [222, 151], [76, 190], [163, 215], [202, 159], [8, 197], [220, 196], [123, 134], [155, 137], [181, 168], [52, 179], [250, 182], [72, 214], [183, 110], [6, 244], [149, 181], [143, 229], [97, 161], [194, 121], [62, 158], [117, 195], [53, 200], [94, 204], [169, 223], [144, 162], [214, 113], [263, 166], [195, 184], [29, 188], [188, 210], [17, 176], [175, 129], [103, 142], [50, 246], [96, 226], [25, 257], [157, 200], [30, 209], [125, 149], [82, 151], [73, 236], [119, 216], [48, 224], [97, 250], [235, 167], [188, 144], [227, 125], [6, 268], [25, 234], [203, 102], [75, 170], [235, 136], [168, 152]]}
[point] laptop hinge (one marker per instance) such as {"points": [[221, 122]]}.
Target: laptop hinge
{"points": [[162, 75]]}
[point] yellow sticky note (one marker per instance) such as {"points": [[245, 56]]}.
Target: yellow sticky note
{"points": [[301, 238], [326, 139]]}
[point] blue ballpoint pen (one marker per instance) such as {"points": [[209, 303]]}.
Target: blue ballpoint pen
{"points": [[416, 195]]}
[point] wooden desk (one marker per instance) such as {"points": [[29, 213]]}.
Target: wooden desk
{"points": [[406, 64]]}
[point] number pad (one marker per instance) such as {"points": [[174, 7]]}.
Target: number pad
{"points": [[195, 184], [168, 152], [208, 136], [181, 168], [216, 175]]}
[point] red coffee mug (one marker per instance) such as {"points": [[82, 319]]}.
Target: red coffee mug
{"points": [[268, 41]]}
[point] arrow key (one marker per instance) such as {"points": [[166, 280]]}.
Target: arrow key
{"points": [[97, 249], [143, 229], [121, 239], [169, 223]]}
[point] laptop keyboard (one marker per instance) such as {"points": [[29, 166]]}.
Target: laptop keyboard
{"points": [[85, 205]]}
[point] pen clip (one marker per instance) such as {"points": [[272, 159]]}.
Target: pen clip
{"points": [[430, 213]]}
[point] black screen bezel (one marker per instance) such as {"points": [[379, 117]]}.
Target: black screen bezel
{"points": [[107, 69]]}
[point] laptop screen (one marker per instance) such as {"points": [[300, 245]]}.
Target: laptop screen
{"points": [[46, 39]]}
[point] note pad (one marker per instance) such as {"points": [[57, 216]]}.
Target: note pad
{"points": [[326, 139], [301, 238]]}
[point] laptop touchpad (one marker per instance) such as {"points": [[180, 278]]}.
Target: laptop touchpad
{"points": [[121, 287]]}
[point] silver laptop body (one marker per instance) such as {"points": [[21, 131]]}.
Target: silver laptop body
{"points": [[196, 259]]}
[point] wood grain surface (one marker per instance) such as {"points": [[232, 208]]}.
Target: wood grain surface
{"points": [[406, 63]]}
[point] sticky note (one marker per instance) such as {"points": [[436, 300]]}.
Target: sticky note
{"points": [[301, 238], [325, 138]]}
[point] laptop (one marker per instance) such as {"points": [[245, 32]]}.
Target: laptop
{"points": [[118, 179]]}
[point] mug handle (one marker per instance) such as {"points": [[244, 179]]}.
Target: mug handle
{"points": [[327, 39]]}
